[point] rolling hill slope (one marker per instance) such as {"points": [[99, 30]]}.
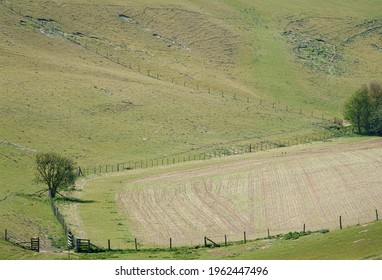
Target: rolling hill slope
{"points": [[114, 81]]}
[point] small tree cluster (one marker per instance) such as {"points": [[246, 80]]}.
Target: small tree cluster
{"points": [[364, 109]]}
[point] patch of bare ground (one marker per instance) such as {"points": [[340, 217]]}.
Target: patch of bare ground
{"points": [[280, 193]]}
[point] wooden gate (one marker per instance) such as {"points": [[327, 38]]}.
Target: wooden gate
{"points": [[82, 245]]}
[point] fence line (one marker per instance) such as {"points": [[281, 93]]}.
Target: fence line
{"points": [[215, 153], [23, 242], [250, 148], [295, 231], [60, 218], [227, 240], [49, 27]]}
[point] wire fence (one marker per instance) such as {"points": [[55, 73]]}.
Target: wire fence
{"points": [[32, 243], [216, 152], [107, 51], [52, 28], [226, 239], [60, 218]]}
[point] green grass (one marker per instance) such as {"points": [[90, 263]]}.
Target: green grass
{"points": [[358, 242], [353, 243], [84, 100]]}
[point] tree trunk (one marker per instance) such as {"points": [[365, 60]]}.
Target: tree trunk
{"points": [[52, 192]]}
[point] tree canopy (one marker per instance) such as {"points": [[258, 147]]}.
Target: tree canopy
{"points": [[55, 171], [364, 109]]}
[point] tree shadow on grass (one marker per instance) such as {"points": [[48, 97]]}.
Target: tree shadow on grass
{"points": [[73, 199]]}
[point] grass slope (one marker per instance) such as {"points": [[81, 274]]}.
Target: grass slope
{"points": [[108, 82]]}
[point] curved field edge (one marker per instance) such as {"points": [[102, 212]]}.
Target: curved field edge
{"points": [[354, 243], [164, 200]]}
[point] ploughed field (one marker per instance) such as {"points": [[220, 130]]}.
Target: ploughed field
{"points": [[280, 190]]}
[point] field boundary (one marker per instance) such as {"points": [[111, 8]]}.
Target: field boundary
{"points": [[29, 244], [189, 156], [85, 245], [219, 241]]}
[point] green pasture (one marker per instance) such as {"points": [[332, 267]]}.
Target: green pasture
{"points": [[182, 77]]}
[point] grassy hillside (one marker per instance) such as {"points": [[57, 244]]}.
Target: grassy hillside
{"points": [[111, 81]]}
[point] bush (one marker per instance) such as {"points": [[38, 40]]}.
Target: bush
{"points": [[364, 109], [297, 235]]}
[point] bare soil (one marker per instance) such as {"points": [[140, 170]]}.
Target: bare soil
{"points": [[280, 192]]}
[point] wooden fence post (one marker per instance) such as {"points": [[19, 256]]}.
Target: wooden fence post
{"points": [[340, 222], [205, 241], [108, 244], [136, 244], [170, 243], [245, 237], [303, 230], [376, 214], [269, 236], [6, 234], [225, 240]]}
